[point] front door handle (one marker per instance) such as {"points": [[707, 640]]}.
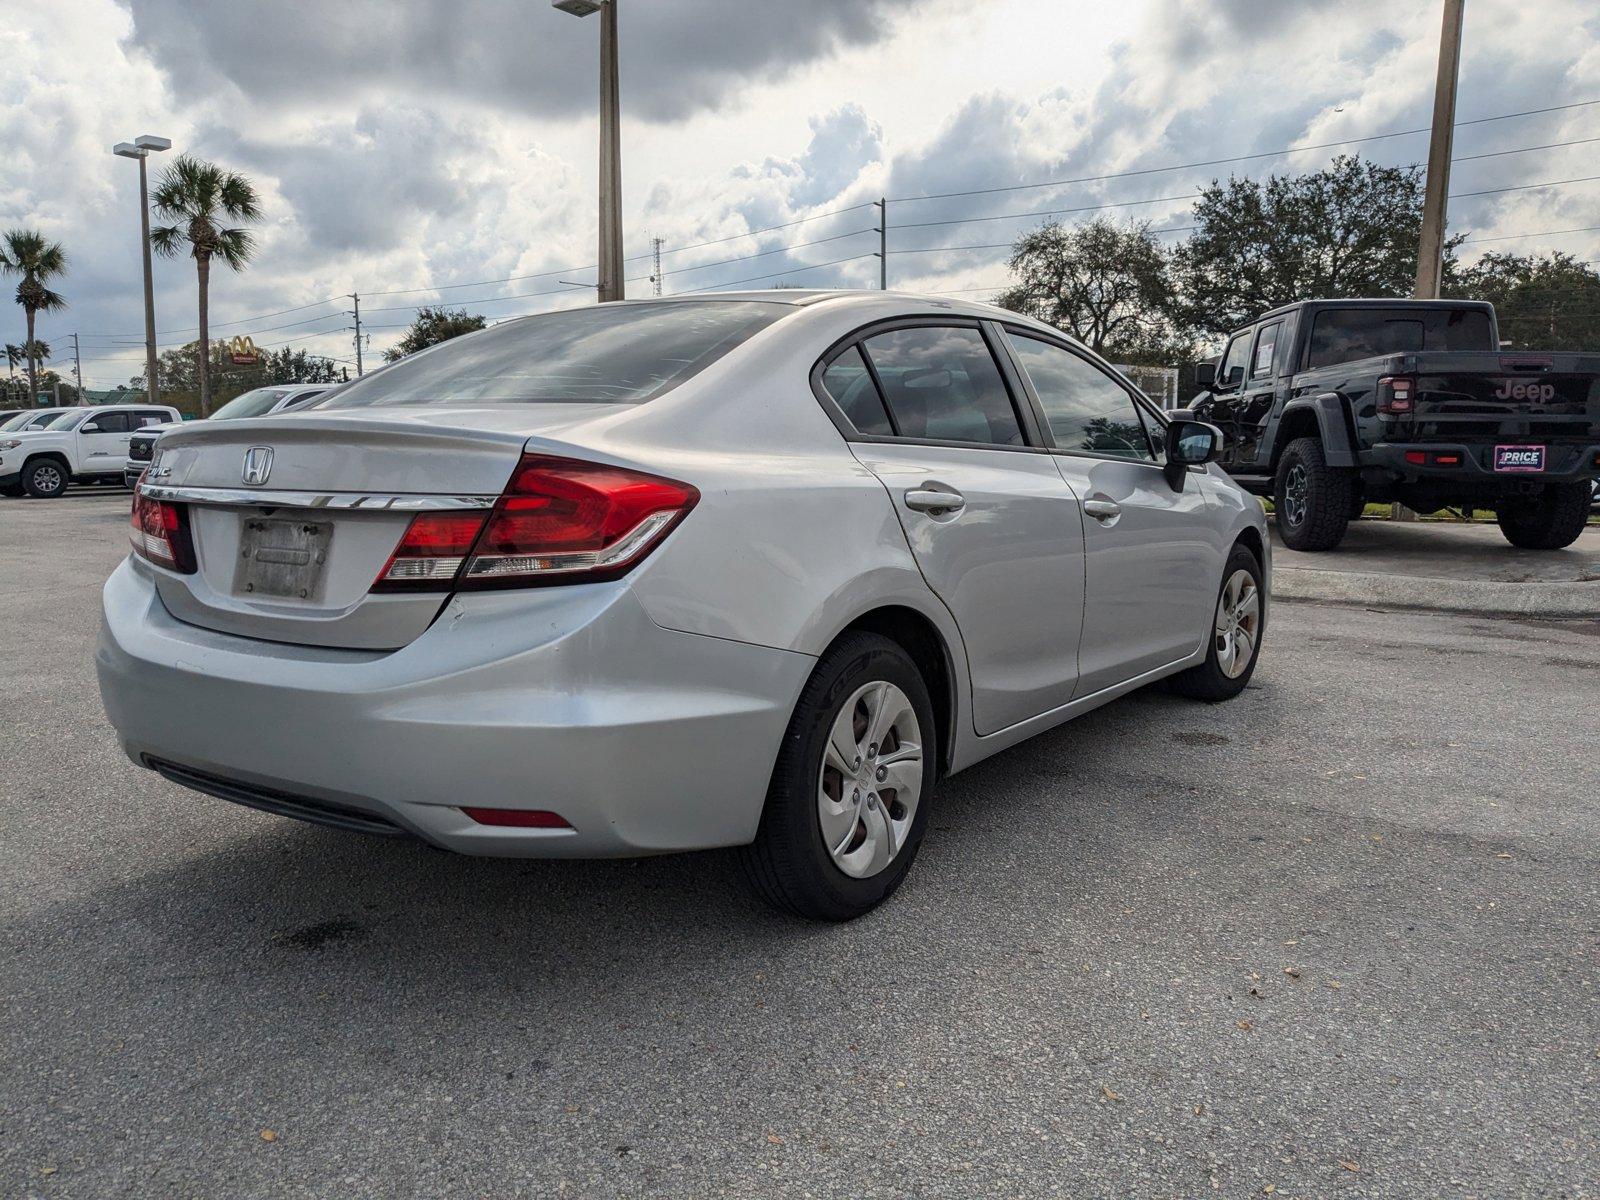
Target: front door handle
{"points": [[1102, 510], [929, 501]]}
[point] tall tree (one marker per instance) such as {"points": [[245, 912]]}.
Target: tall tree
{"points": [[1348, 230], [27, 254], [199, 197], [1544, 302], [1106, 284], [432, 326]]}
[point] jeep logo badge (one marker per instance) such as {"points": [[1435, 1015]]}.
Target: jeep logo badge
{"points": [[257, 465], [1511, 389]]}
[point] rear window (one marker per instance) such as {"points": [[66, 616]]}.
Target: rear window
{"points": [[610, 354], [1347, 334]]}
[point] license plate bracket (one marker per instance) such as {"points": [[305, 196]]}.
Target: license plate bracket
{"points": [[1519, 458], [283, 559]]}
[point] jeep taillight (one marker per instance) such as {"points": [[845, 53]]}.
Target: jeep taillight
{"points": [[159, 532], [1397, 395], [560, 520]]}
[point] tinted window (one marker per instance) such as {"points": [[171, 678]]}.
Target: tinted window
{"points": [[850, 384], [1347, 334], [1087, 410], [941, 382], [255, 403], [1231, 372], [140, 420], [113, 422], [607, 354], [1266, 343]]}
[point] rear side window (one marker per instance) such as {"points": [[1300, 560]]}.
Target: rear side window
{"points": [[941, 383], [1266, 344], [605, 354], [1347, 334], [1088, 411], [850, 384]]}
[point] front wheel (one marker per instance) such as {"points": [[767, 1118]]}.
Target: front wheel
{"points": [[1236, 629], [1313, 501], [44, 479], [848, 801], [1552, 521]]}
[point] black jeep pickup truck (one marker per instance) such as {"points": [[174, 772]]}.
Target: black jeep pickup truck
{"points": [[1329, 404]]}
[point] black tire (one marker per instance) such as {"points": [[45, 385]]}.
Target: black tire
{"points": [[1549, 522], [788, 865], [1319, 518], [1209, 681], [44, 478], [11, 489]]}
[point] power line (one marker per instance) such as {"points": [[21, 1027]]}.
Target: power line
{"points": [[1217, 162], [1542, 233], [775, 274]]}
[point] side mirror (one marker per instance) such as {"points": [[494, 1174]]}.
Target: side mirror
{"points": [[1190, 444], [1205, 374], [89, 427]]}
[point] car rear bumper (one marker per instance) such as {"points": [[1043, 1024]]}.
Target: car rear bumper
{"points": [[564, 699], [1564, 463]]}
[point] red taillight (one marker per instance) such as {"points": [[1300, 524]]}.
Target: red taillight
{"points": [[160, 533], [559, 520], [431, 552], [1396, 395], [518, 818], [1416, 458]]}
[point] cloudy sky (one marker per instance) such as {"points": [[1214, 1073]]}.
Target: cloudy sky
{"points": [[408, 145]]}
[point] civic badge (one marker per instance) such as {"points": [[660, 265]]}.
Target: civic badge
{"points": [[257, 465]]}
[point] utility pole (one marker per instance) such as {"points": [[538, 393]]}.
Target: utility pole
{"points": [[141, 148], [356, 296], [611, 283], [655, 274], [77, 367], [882, 204], [1430, 250]]}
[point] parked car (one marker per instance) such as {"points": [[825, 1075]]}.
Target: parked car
{"points": [[80, 445], [258, 402], [1331, 404], [31, 418], [752, 570]]}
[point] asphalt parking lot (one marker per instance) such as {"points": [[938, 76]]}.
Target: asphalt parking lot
{"points": [[1336, 938]]}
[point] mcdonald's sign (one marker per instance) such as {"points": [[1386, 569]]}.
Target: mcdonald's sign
{"points": [[242, 352]]}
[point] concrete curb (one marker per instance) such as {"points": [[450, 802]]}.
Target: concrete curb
{"points": [[1487, 598]]}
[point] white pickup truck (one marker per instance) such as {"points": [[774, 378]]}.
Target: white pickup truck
{"points": [[82, 445]]}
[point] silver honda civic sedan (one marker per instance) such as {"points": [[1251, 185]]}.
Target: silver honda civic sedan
{"points": [[755, 570]]}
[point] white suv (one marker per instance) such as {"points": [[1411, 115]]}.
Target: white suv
{"points": [[84, 445]]}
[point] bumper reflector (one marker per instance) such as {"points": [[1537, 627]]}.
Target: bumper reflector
{"points": [[519, 818]]}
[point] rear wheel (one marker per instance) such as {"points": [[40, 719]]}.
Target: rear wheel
{"points": [[1313, 501], [848, 801], [1237, 625], [1548, 522], [44, 479]]}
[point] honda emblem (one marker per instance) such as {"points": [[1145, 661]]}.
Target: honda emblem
{"points": [[257, 465]]}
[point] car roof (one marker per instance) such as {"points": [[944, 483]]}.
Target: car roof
{"points": [[863, 297], [1365, 302]]}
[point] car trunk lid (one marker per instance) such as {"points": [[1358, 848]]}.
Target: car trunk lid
{"points": [[293, 517]]}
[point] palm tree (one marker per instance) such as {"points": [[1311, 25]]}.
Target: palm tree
{"points": [[24, 252], [198, 197]]}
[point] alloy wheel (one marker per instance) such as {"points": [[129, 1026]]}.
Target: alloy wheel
{"points": [[1238, 626], [1295, 489], [871, 779], [46, 478]]}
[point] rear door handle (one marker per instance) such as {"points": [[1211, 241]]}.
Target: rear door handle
{"points": [[1102, 510], [929, 501]]}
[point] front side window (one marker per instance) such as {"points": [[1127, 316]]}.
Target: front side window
{"points": [[605, 354], [114, 422], [848, 381], [941, 383], [1088, 411], [1266, 344], [1231, 373]]}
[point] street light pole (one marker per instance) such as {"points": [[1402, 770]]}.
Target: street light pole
{"points": [[610, 284], [141, 148], [1430, 249]]}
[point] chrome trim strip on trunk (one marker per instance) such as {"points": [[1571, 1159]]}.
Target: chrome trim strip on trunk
{"points": [[264, 498]]}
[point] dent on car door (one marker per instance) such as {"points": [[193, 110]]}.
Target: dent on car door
{"points": [[993, 526], [1152, 559]]}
